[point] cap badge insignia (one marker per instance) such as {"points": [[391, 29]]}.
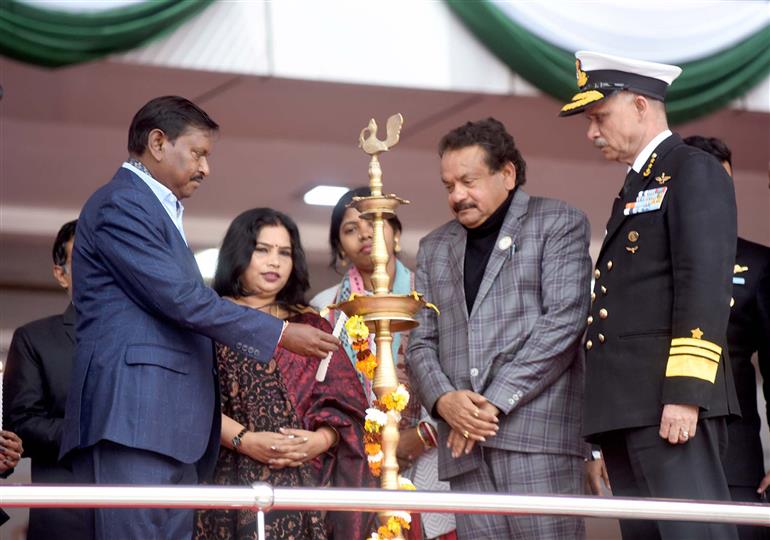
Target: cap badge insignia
{"points": [[738, 269], [582, 76], [697, 333], [662, 179], [632, 250]]}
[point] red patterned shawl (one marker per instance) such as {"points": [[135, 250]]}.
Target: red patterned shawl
{"points": [[339, 402]]}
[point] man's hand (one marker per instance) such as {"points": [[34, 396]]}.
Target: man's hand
{"points": [[11, 450], [678, 423], [459, 444], [307, 340], [596, 473], [764, 484], [471, 417]]}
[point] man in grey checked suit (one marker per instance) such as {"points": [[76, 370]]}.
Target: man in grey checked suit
{"points": [[501, 367]]}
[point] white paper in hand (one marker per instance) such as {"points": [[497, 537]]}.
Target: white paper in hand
{"points": [[320, 374]]}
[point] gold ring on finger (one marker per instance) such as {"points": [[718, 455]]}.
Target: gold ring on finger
{"points": [[466, 434], [476, 413]]}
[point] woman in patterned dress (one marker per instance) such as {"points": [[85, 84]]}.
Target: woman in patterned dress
{"points": [[279, 425]]}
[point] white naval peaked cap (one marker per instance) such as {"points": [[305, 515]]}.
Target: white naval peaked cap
{"points": [[600, 75]]}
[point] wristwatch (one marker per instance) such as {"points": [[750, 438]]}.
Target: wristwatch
{"points": [[237, 439]]}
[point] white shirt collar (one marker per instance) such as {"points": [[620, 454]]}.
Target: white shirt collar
{"points": [[641, 159], [164, 195], [171, 204]]}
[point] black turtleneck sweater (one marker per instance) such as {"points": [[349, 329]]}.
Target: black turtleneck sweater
{"points": [[479, 246]]}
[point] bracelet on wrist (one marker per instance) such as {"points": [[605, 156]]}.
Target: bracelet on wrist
{"points": [[334, 435], [237, 439], [283, 330], [427, 434], [425, 443]]}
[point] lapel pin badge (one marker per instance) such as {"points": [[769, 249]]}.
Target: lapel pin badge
{"points": [[504, 243]]}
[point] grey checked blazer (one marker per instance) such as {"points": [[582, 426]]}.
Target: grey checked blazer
{"points": [[520, 345]]}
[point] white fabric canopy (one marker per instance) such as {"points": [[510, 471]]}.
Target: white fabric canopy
{"points": [[81, 6], [656, 30]]}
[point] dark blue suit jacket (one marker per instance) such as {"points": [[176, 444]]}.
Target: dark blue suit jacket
{"points": [[144, 373]]}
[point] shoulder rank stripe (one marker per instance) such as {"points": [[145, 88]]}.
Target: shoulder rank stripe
{"points": [[692, 342], [685, 365], [697, 351]]}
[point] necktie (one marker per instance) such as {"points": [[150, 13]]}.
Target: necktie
{"points": [[630, 178]]}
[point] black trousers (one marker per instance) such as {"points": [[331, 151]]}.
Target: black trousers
{"points": [[641, 464]]}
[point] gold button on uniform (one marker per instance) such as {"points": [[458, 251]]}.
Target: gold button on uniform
{"points": [[604, 289], [732, 302], [590, 319], [609, 265], [597, 274], [589, 344], [593, 296], [603, 313], [633, 236], [601, 338]]}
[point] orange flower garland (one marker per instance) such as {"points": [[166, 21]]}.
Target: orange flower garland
{"points": [[377, 414], [358, 332], [376, 418], [395, 525]]}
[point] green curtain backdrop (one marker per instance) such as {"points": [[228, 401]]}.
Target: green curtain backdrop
{"points": [[58, 38], [705, 85]]}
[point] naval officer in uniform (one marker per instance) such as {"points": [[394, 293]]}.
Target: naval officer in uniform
{"points": [[658, 384]]}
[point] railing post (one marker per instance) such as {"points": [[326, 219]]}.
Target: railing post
{"points": [[263, 500], [261, 525]]}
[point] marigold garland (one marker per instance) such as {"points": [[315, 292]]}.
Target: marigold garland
{"points": [[358, 332], [372, 448], [395, 525], [396, 400], [375, 420], [392, 403], [366, 363], [405, 484], [356, 328]]}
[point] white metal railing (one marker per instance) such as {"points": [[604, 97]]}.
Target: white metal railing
{"points": [[263, 498]]}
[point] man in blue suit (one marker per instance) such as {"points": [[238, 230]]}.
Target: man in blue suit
{"points": [[143, 406]]}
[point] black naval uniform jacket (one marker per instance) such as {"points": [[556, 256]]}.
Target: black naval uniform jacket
{"points": [[661, 299], [747, 333]]}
